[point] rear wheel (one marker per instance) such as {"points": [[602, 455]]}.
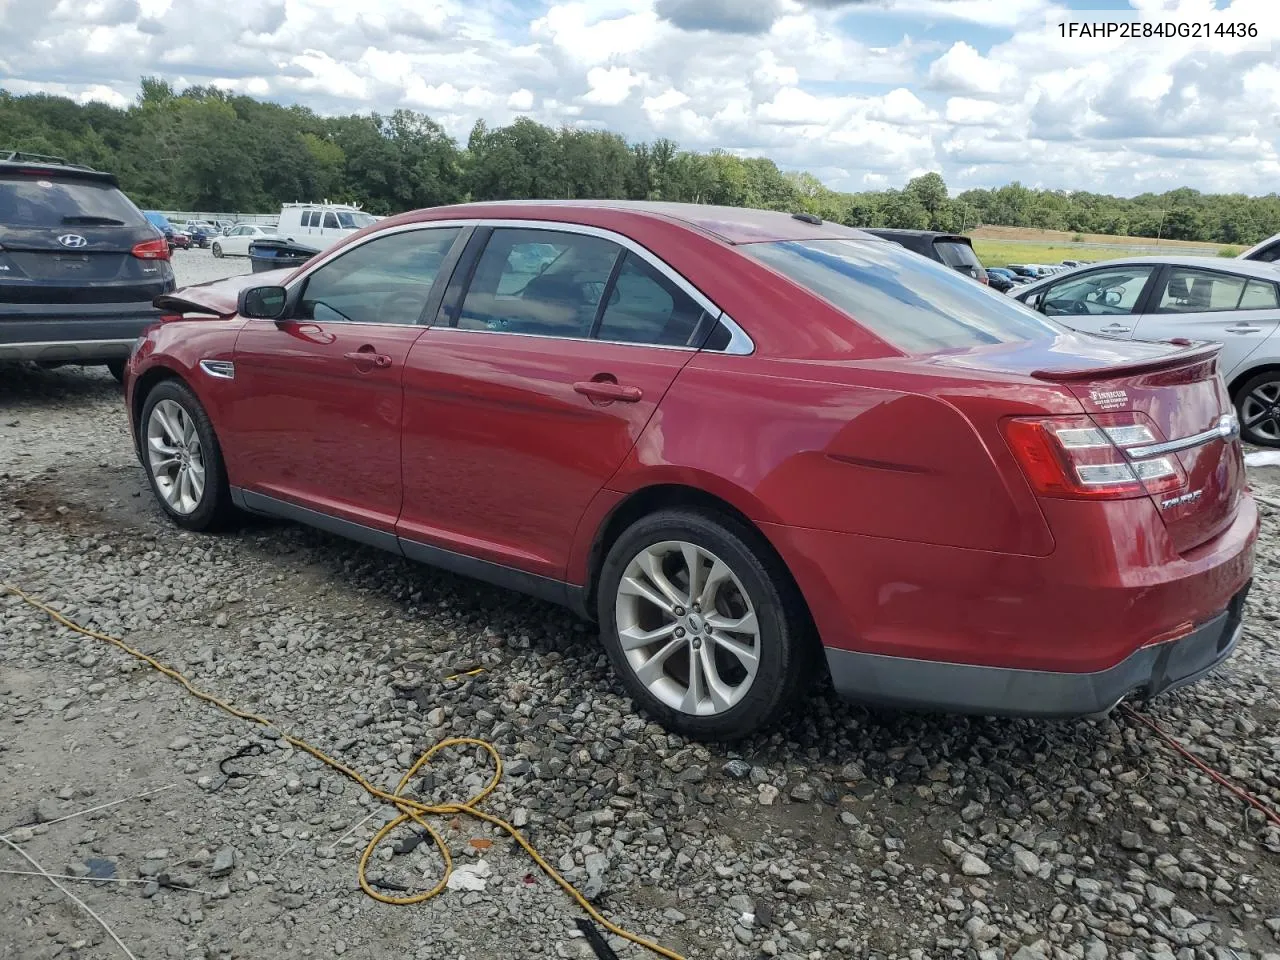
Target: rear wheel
{"points": [[116, 369], [217, 250], [1258, 407], [702, 623], [182, 458]]}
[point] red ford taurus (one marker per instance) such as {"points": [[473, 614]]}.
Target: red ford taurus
{"points": [[745, 442]]}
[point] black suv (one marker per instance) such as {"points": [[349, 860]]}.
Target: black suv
{"points": [[79, 265], [949, 248]]}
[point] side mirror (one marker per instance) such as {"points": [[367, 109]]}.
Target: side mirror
{"points": [[262, 303]]}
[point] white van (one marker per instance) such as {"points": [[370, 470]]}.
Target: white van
{"points": [[321, 224]]}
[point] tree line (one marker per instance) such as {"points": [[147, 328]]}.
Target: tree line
{"points": [[205, 149]]}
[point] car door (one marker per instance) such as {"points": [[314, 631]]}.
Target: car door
{"points": [[317, 416], [549, 357], [1236, 311], [1104, 301]]}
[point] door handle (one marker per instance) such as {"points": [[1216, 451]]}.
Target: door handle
{"points": [[1243, 328], [1115, 328], [367, 356], [608, 390]]}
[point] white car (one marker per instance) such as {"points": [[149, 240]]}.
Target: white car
{"points": [[236, 243], [1232, 302]]}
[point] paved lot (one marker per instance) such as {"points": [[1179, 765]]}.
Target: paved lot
{"points": [[847, 833]]}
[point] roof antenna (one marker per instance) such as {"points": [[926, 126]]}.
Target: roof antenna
{"points": [[808, 218]]}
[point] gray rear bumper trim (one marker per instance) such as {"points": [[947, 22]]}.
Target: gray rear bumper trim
{"points": [[67, 351], [1000, 691]]}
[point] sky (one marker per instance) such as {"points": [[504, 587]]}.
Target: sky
{"points": [[863, 93]]}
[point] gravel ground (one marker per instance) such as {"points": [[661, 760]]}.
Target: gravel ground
{"points": [[847, 833]]}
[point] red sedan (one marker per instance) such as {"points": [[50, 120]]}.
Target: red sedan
{"points": [[746, 443]]}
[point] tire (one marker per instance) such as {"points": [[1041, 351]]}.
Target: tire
{"points": [[783, 644], [1258, 399], [217, 250], [116, 369], [212, 509]]}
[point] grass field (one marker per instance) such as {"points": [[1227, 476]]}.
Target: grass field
{"points": [[997, 246]]}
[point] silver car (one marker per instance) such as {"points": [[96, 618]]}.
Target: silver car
{"points": [[1232, 302]]}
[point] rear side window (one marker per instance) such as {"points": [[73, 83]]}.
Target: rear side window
{"points": [[1199, 291], [1259, 296], [646, 307], [913, 303], [330, 222], [956, 254], [33, 201]]}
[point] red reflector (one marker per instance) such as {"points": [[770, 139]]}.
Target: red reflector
{"points": [[157, 249], [171, 317]]}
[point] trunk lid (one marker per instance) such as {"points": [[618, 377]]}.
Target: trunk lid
{"points": [[218, 297], [1175, 385]]}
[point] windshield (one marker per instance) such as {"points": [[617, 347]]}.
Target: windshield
{"points": [[27, 201], [355, 221], [914, 303]]}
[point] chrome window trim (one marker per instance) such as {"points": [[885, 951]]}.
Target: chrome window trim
{"points": [[1226, 428], [740, 342]]}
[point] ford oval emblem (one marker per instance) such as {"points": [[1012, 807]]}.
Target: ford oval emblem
{"points": [[73, 240]]}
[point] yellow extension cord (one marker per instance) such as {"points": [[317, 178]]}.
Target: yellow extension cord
{"points": [[409, 809]]}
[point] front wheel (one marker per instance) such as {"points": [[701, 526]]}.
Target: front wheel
{"points": [[217, 250], [1258, 407], [182, 458], [703, 624]]}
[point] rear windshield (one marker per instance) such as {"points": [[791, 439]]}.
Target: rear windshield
{"points": [[27, 201], [914, 303], [956, 254]]}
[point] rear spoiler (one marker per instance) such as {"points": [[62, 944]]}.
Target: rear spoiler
{"points": [[1191, 354]]}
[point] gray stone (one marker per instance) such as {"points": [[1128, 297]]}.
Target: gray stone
{"points": [[973, 866]]}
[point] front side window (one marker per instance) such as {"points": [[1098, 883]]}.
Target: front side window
{"points": [[386, 280], [1109, 292], [1199, 291], [914, 303], [646, 307], [538, 282], [355, 221]]}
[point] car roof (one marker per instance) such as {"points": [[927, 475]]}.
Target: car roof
{"points": [[731, 224]]}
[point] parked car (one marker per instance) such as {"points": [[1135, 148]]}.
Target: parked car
{"points": [[177, 239], [223, 226], [79, 264], [1028, 270], [1234, 302], [321, 224], [949, 248], [236, 243], [1002, 280], [1268, 251], [201, 232], [740, 440]]}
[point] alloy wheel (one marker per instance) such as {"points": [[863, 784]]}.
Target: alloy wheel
{"points": [[688, 628], [1260, 410], [175, 456]]}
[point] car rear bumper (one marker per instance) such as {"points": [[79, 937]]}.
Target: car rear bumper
{"points": [[978, 631], [969, 688], [55, 334]]}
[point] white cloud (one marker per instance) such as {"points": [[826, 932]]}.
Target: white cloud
{"points": [[795, 83], [610, 86]]}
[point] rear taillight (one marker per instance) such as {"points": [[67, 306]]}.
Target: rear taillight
{"points": [[157, 249], [1084, 457]]}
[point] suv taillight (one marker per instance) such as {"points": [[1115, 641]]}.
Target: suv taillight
{"points": [[1083, 457], [157, 249]]}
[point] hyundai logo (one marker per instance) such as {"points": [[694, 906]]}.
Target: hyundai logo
{"points": [[73, 240]]}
